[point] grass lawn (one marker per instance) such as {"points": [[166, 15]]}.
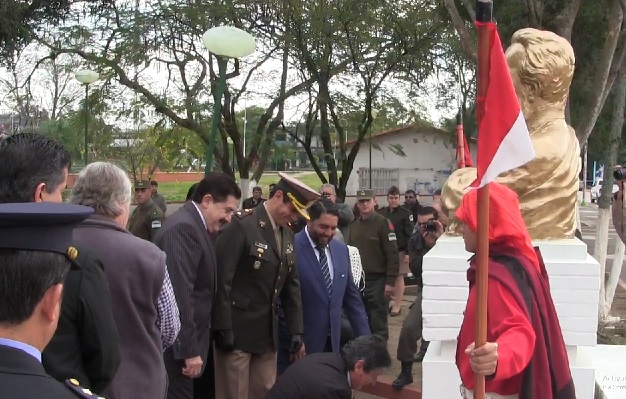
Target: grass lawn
{"points": [[177, 191]]}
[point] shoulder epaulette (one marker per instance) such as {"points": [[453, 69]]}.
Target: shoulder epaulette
{"points": [[243, 213], [75, 387]]}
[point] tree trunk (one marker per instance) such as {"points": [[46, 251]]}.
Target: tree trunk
{"points": [[600, 79], [467, 40], [246, 188], [604, 202], [616, 270]]}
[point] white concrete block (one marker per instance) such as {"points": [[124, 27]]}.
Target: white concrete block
{"points": [[563, 267], [583, 374], [447, 263], [443, 321], [609, 362], [566, 250], [570, 282], [579, 324], [580, 339], [444, 278], [575, 297], [440, 376], [445, 293], [581, 309], [440, 334], [443, 307]]}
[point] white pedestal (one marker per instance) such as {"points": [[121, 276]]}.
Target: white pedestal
{"points": [[609, 362], [575, 287]]}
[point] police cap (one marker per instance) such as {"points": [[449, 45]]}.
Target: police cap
{"points": [[41, 226], [142, 184], [298, 193]]}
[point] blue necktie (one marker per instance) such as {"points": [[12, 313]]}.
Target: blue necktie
{"points": [[325, 270]]}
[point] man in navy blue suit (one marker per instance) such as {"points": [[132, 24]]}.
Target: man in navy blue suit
{"points": [[326, 286]]}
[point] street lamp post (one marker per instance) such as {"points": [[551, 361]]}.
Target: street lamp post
{"points": [[86, 77], [224, 42], [374, 113]]}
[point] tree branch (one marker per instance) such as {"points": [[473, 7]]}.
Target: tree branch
{"points": [[459, 25]]}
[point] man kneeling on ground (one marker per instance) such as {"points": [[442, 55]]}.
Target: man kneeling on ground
{"points": [[333, 375]]}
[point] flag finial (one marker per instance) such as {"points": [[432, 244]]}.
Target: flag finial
{"points": [[484, 11]]}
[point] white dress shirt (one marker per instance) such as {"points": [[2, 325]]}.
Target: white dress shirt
{"points": [[201, 215], [317, 254]]}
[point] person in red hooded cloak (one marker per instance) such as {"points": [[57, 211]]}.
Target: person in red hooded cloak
{"points": [[525, 355]]}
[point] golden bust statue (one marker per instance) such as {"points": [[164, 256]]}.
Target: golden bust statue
{"points": [[541, 65]]}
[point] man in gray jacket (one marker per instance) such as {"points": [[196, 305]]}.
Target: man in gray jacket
{"points": [[144, 306]]}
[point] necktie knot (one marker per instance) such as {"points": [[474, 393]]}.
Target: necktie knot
{"points": [[321, 248]]}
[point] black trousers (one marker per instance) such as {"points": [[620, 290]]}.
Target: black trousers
{"points": [[204, 387]]}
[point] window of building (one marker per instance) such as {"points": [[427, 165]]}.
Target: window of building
{"points": [[382, 179]]}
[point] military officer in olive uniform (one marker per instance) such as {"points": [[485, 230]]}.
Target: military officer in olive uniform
{"points": [[147, 218], [36, 255], [375, 238], [257, 269], [402, 220]]}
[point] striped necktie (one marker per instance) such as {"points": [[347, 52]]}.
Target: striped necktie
{"points": [[325, 270]]}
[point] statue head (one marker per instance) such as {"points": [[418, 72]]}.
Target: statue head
{"points": [[542, 66], [452, 194]]}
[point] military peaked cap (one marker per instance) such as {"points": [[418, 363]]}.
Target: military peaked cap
{"points": [[41, 226]]}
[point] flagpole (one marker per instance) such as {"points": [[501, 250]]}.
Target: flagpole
{"points": [[484, 15], [460, 142]]}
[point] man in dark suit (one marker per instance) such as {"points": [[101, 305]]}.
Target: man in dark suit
{"points": [[35, 255], [326, 284], [85, 346], [255, 200], [191, 264], [333, 375], [257, 267]]}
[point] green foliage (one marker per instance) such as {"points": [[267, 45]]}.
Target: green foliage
{"points": [[70, 131], [145, 150]]}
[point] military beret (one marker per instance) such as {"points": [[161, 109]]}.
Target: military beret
{"points": [[41, 226], [299, 194]]}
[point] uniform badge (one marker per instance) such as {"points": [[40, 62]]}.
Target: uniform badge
{"points": [[411, 217], [74, 385], [257, 265], [156, 224], [391, 236], [261, 223], [72, 253], [260, 245], [289, 248]]}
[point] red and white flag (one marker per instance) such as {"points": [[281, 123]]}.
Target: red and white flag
{"points": [[503, 137]]}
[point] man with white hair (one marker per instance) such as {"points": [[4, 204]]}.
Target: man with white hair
{"points": [[144, 305]]}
